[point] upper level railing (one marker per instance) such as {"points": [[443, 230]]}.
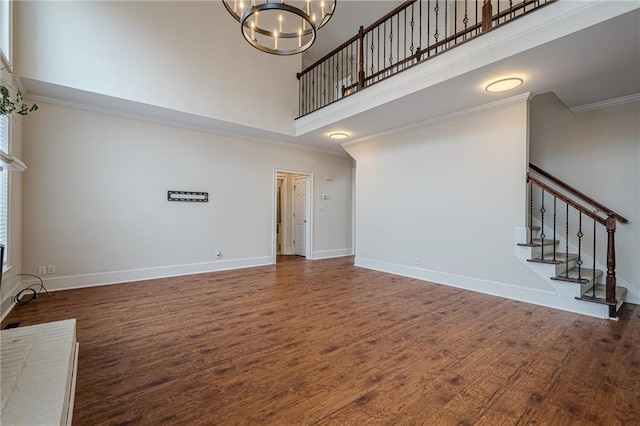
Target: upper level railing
{"points": [[412, 33], [565, 212]]}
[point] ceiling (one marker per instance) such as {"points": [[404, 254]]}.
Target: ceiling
{"points": [[348, 17], [598, 63]]}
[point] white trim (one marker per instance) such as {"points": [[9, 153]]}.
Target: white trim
{"points": [[7, 301], [479, 285], [115, 277], [175, 122], [606, 104], [72, 391], [309, 228], [442, 118], [548, 298], [329, 254], [5, 61]]}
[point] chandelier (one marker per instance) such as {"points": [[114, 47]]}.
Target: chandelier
{"points": [[283, 27]]}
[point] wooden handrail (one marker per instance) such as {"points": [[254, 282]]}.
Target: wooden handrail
{"points": [[391, 14], [567, 200], [327, 56], [356, 37], [579, 194], [515, 8], [357, 70]]}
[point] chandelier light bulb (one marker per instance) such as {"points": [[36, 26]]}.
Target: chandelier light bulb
{"points": [[281, 27]]}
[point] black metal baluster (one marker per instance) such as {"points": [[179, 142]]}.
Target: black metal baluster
{"points": [[405, 37], [476, 23], [339, 59], [398, 41], [305, 105], [353, 61], [446, 21], [579, 235], [413, 25], [429, 28], [566, 244], [542, 211], [371, 37], [390, 44], [378, 58], [300, 94], [465, 21], [435, 35], [420, 25], [325, 65], [593, 279], [384, 48], [455, 21], [313, 88], [530, 212], [554, 228]]}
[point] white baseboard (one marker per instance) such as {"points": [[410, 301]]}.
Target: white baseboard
{"points": [[7, 301], [494, 288], [105, 278], [328, 254]]}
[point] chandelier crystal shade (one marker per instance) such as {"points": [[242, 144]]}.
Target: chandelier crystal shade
{"points": [[283, 27]]}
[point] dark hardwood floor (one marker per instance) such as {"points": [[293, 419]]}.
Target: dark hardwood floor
{"points": [[324, 342]]}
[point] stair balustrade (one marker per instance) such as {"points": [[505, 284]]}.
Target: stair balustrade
{"points": [[546, 193], [415, 31]]}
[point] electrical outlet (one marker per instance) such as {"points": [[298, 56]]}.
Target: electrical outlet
{"points": [[42, 270], [218, 254], [418, 261], [51, 269]]}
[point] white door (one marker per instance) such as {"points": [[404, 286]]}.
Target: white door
{"points": [[300, 215]]}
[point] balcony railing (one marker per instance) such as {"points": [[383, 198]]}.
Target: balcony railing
{"points": [[410, 34]]}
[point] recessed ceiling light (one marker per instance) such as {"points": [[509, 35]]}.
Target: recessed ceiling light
{"points": [[339, 135], [504, 84]]}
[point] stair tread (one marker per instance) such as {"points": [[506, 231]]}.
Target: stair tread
{"points": [[547, 241], [601, 292], [560, 258], [584, 273]]}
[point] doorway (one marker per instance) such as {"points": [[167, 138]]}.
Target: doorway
{"points": [[292, 218]]}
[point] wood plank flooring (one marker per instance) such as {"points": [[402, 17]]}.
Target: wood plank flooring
{"points": [[324, 342]]}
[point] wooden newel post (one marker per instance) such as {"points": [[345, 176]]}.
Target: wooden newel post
{"points": [[487, 13], [361, 65], [611, 264]]}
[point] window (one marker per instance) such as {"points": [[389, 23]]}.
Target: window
{"points": [[4, 185], [5, 29]]}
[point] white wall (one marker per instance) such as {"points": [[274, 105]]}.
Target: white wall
{"points": [[597, 152], [6, 35], [95, 198], [183, 55], [450, 194]]}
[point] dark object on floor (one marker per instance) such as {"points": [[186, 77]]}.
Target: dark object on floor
{"points": [[12, 325]]}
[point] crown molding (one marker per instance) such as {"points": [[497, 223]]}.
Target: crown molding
{"points": [[606, 104], [443, 118], [155, 118]]}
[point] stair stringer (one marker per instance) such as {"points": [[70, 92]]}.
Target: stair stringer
{"points": [[566, 292]]}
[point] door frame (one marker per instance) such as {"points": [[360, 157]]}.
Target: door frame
{"points": [[308, 229]]}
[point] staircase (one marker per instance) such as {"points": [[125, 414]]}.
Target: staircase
{"points": [[569, 247]]}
